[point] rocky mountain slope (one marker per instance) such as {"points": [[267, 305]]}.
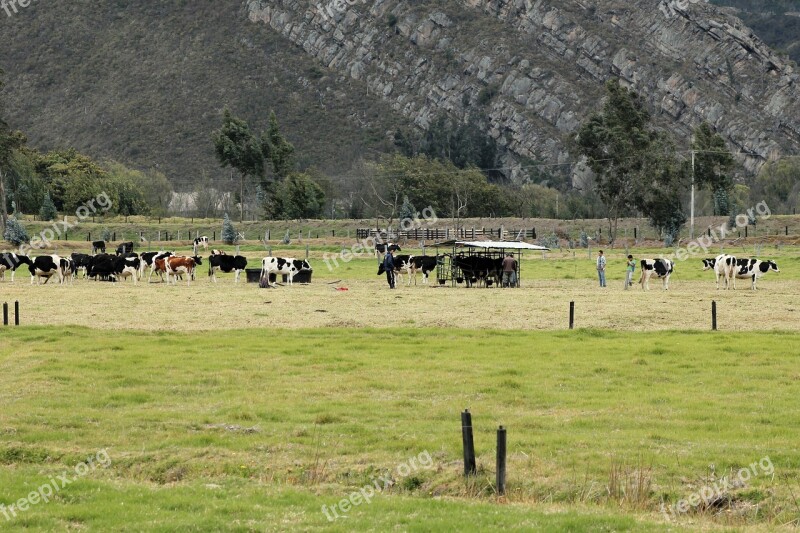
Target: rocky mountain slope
{"points": [[144, 82], [543, 65]]}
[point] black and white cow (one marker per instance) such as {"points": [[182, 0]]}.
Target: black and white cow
{"points": [[98, 246], [724, 266], [753, 269], [125, 248], [82, 262], [478, 268], [226, 263], [114, 267], [660, 268], [401, 265], [382, 248], [287, 266], [200, 241], [421, 263], [46, 266], [70, 269], [11, 261], [148, 259]]}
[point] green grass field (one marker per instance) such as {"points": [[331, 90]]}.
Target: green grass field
{"points": [[227, 407], [254, 430]]}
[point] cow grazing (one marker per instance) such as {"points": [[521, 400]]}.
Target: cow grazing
{"points": [[214, 251], [287, 266], [125, 248], [82, 262], [46, 266], [421, 263], [661, 268], [179, 265], [401, 264], [148, 259], [70, 269], [11, 261], [226, 263], [107, 267], [200, 241], [382, 248], [724, 266], [98, 246], [753, 269]]}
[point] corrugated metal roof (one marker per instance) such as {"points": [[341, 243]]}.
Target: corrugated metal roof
{"points": [[497, 245]]}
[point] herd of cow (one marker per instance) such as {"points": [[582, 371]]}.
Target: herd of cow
{"points": [[477, 269], [725, 266], [474, 269], [125, 263]]}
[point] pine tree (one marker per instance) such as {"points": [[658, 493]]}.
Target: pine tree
{"points": [[228, 231], [407, 211], [15, 233], [48, 210]]}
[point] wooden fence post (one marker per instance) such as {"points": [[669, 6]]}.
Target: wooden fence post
{"points": [[501, 460], [469, 444]]}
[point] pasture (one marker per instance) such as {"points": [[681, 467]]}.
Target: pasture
{"points": [[229, 407]]}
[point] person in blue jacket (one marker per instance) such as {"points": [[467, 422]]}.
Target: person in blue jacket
{"points": [[388, 265]]}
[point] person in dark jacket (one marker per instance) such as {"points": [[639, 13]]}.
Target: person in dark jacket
{"points": [[388, 266]]}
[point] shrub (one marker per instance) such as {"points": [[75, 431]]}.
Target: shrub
{"points": [[15, 233]]}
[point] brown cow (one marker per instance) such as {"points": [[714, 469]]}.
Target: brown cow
{"points": [[181, 265]]}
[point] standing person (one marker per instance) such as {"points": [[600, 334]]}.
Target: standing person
{"points": [[601, 268], [629, 269], [509, 271], [388, 266]]}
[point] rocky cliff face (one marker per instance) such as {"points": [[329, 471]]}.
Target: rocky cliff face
{"points": [[535, 69]]}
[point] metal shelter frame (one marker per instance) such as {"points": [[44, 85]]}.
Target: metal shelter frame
{"points": [[447, 270]]}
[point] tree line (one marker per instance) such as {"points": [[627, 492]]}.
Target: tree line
{"points": [[450, 167]]}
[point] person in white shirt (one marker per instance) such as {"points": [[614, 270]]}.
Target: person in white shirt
{"points": [[601, 268]]}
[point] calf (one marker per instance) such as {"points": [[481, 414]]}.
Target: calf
{"points": [[661, 268], [125, 248], [11, 261], [98, 246], [753, 269], [46, 266], [421, 263], [226, 263], [287, 266], [724, 265], [176, 265]]}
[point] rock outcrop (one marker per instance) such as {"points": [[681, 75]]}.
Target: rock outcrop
{"points": [[534, 70]]}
